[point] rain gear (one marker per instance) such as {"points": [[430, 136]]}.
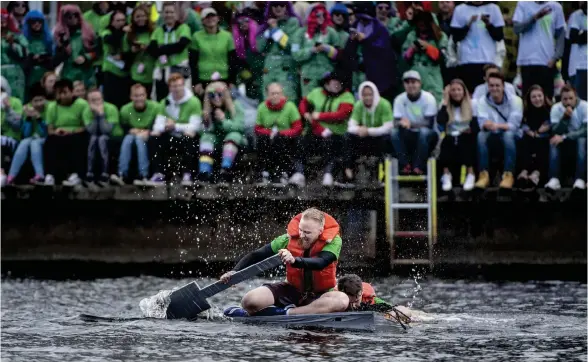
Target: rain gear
{"points": [[12, 56], [378, 118], [40, 46]]}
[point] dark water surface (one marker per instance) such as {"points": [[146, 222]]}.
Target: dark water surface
{"points": [[531, 321]]}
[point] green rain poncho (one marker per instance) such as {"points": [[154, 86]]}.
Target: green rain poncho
{"points": [[12, 56]]}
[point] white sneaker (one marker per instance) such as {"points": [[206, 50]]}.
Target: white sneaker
{"points": [[328, 180], [117, 180], [470, 182], [141, 182], [446, 184], [298, 179], [2, 180], [72, 180], [49, 180], [580, 184], [553, 184]]}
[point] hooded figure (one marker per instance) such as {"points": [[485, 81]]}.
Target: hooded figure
{"points": [[18, 9], [245, 30], [369, 48], [40, 56], [13, 51], [423, 50], [315, 48], [75, 42], [274, 40], [342, 28]]}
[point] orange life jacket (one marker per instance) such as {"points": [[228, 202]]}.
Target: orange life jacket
{"points": [[369, 294], [322, 280]]}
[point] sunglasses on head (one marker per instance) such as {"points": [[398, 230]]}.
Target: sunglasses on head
{"points": [[213, 95]]}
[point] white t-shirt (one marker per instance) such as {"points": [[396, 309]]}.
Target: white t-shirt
{"points": [[537, 45], [477, 47], [578, 53], [482, 90], [417, 111]]}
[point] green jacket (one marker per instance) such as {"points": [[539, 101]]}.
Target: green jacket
{"points": [[187, 113], [332, 109], [276, 45], [315, 65], [109, 64], [131, 118], [10, 125], [70, 118], [145, 75], [36, 47], [110, 115], [12, 57], [73, 71]]}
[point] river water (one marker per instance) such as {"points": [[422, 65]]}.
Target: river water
{"points": [[469, 320]]}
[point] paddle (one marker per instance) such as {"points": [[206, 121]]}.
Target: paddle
{"points": [[189, 300]]}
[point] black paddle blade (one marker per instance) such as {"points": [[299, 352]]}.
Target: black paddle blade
{"points": [[187, 302]]}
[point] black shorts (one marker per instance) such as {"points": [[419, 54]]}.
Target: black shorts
{"points": [[286, 294]]}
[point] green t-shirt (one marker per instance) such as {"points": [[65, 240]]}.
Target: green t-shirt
{"points": [[282, 119], [98, 22], [281, 242], [111, 116], [145, 75], [132, 118], [191, 107], [161, 37], [213, 52], [69, 118], [321, 103], [6, 128], [382, 114]]}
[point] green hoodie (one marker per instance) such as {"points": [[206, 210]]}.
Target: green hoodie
{"points": [[187, 113], [70, 118], [322, 103], [131, 118], [36, 46], [73, 71], [9, 129], [11, 66]]}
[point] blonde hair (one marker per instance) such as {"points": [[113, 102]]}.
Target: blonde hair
{"points": [[227, 100], [465, 106], [314, 214]]}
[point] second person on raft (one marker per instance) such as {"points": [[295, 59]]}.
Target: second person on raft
{"points": [[310, 249]]}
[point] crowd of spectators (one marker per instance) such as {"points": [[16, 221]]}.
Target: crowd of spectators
{"points": [[127, 93]]}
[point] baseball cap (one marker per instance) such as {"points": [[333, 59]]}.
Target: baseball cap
{"points": [[411, 74], [206, 12]]}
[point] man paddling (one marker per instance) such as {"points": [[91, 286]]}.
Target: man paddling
{"points": [[310, 250]]}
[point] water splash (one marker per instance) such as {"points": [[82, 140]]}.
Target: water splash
{"points": [[156, 306]]}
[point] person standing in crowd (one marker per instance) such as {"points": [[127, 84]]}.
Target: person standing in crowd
{"points": [[568, 124], [186, 15], [10, 126], [369, 49], [275, 41], [97, 17], [327, 110], [136, 118], [102, 124], [19, 10], [536, 131], [169, 45], [340, 19], [75, 43], [34, 132], [457, 118], [314, 48], [277, 127], [385, 15], [174, 131], [499, 118], [66, 139], [137, 60], [444, 16], [48, 84], [114, 71], [250, 60], [212, 54], [476, 26], [482, 90], [222, 130], [540, 26], [578, 27], [423, 50], [368, 129], [40, 47], [414, 116], [13, 51]]}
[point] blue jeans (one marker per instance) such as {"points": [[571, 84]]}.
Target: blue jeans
{"points": [[486, 139], [554, 164], [421, 139], [21, 153], [126, 150]]}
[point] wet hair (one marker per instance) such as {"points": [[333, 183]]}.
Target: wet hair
{"points": [[350, 284], [63, 84], [314, 214]]}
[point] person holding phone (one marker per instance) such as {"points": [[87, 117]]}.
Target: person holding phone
{"points": [[540, 26]]}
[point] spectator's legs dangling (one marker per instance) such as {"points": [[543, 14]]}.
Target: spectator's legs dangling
{"points": [[124, 159], [37, 159], [581, 83], [18, 159], [510, 156], [398, 139], [553, 183], [189, 149], [580, 182], [483, 159], [103, 147], [159, 150], [425, 137], [206, 160], [142, 157], [230, 150]]}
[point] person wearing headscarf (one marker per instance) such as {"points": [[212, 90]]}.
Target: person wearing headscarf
{"points": [[13, 53], [340, 19], [75, 43], [40, 50], [250, 60], [10, 125], [368, 128], [114, 70], [423, 50], [315, 48], [222, 132], [19, 10], [137, 60], [275, 41], [170, 45]]}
